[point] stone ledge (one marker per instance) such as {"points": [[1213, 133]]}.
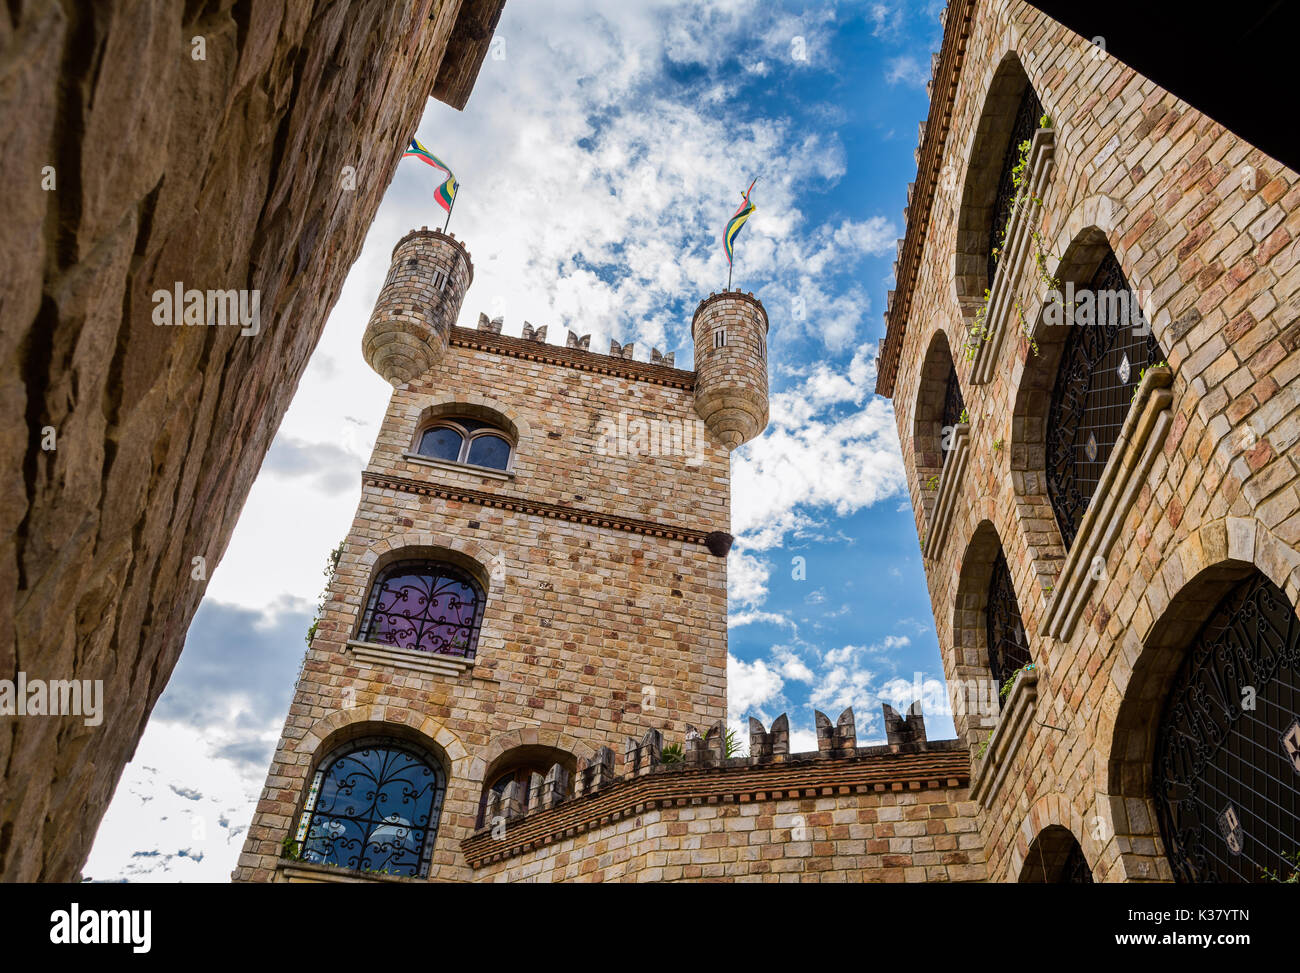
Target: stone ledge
{"points": [[949, 484], [468, 469], [1002, 291], [539, 508], [299, 872], [370, 654], [986, 778], [1140, 441]]}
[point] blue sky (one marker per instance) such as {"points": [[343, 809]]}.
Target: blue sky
{"points": [[601, 152]]}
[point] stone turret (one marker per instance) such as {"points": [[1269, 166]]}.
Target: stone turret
{"points": [[730, 333], [419, 303]]}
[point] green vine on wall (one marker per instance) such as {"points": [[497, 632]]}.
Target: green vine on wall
{"points": [[1025, 201]]}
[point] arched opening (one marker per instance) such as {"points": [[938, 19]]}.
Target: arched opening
{"points": [[373, 805], [517, 766], [1226, 763], [425, 605], [1094, 345], [990, 640], [1056, 858], [939, 404], [1011, 115]]}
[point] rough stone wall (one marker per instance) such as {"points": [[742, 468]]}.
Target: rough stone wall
{"points": [[927, 836], [590, 633], [1219, 259], [225, 172]]}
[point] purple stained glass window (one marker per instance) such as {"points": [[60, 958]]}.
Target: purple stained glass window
{"points": [[426, 607]]}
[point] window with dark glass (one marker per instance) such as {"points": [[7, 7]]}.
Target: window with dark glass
{"points": [[1107, 347], [425, 606], [1028, 113], [466, 441], [1227, 756], [373, 807], [1008, 643]]}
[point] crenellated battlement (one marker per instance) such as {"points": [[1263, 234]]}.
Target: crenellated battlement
{"points": [[537, 334], [519, 819]]}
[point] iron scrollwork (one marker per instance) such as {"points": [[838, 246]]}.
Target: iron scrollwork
{"points": [[1227, 794]]}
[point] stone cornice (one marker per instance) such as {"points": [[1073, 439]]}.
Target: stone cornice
{"points": [[872, 770], [537, 508], [577, 358], [943, 95], [1140, 440]]}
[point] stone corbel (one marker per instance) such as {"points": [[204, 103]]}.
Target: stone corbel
{"points": [[1015, 253], [1140, 441]]}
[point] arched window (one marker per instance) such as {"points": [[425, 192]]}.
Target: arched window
{"points": [[518, 766], [1227, 753], [470, 441], [1011, 114], [1107, 347], [1025, 123], [374, 807], [426, 606], [1008, 643]]}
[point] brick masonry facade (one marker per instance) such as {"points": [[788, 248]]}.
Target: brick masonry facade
{"points": [[602, 552], [1204, 227]]}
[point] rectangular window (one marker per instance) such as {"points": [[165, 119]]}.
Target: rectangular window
{"points": [[720, 338], [439, 279]]}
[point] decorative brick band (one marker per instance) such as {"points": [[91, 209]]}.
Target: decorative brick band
{"points": [[538, 508], [871, 770], [952, 52], [584, 361]]}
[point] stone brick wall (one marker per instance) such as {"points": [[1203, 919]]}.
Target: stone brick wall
{"points": [[605, 611], [226, 172], [1212, 243], [930, 836]]}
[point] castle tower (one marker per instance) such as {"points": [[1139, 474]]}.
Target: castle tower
{"points": [[419, 303], [536, 571], [730, 334]]}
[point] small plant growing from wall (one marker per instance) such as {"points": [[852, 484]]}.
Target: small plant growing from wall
{"points": [[1022, 200], [1005, 691], [1281, 876], [331, 566]]}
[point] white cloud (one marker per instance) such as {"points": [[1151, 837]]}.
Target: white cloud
{"points": [[747, 577], [750, 685], [740, 619], [906, 70]]}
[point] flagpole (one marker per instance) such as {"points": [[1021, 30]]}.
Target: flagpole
{"points": [[447, 223]]}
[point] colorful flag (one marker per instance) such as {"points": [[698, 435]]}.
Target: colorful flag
{"points": [[736, 222], [446, 194]]}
